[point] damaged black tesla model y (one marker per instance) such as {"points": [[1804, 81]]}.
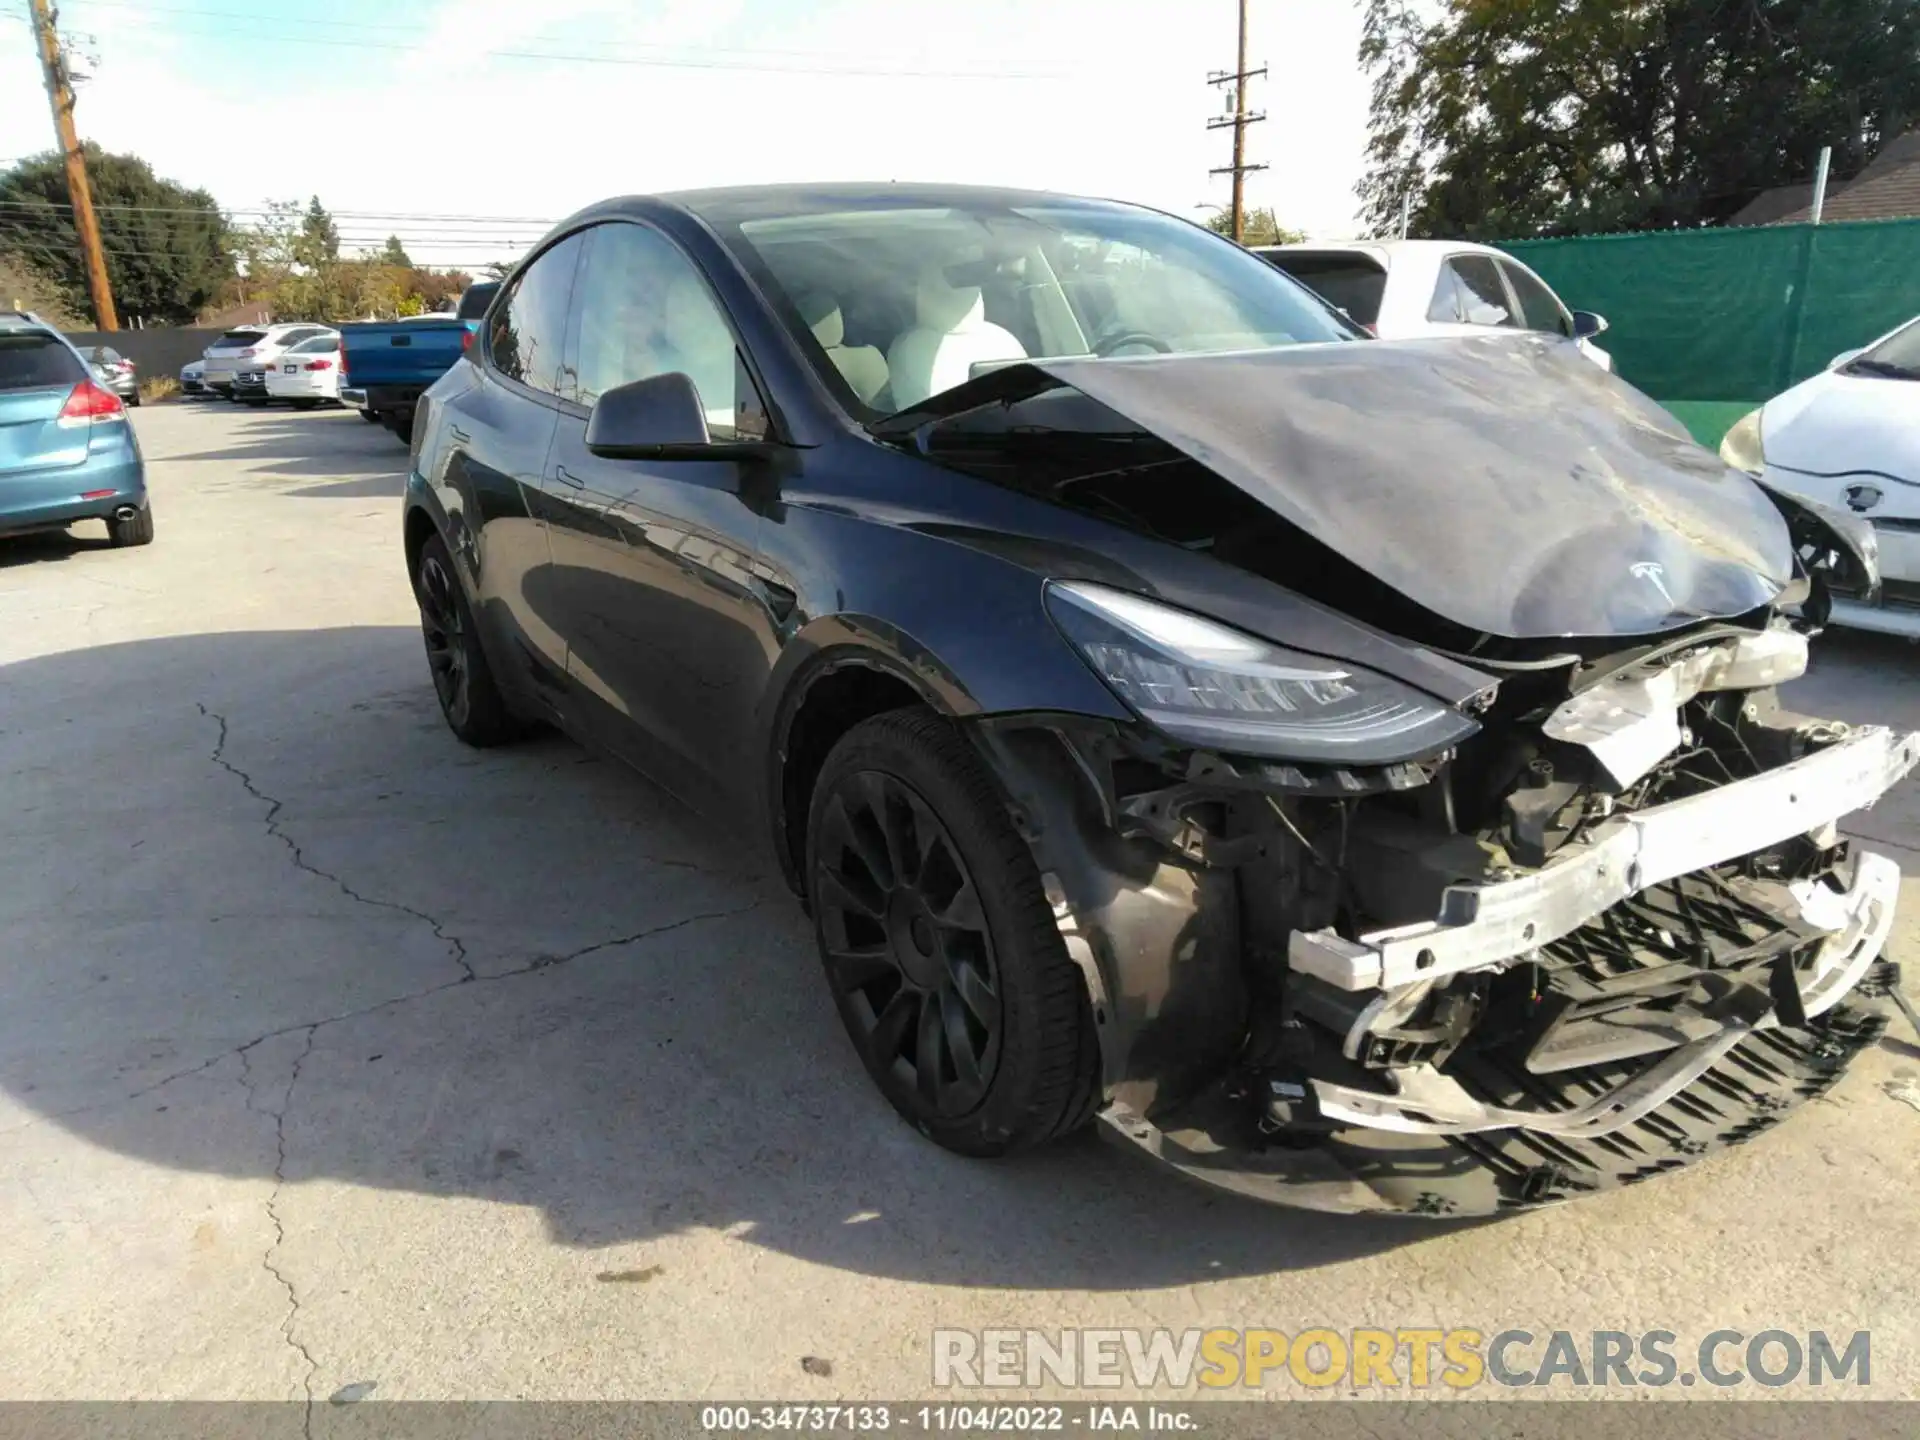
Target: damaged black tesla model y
{"points": [[1350, 771]]}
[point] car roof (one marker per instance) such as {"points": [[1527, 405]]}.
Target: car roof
{"points": [[734, 203]]}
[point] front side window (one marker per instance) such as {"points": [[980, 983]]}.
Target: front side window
{"points": [[896, 302], [1538, 307], [1483, 299], [531, 328], [645, 310]]}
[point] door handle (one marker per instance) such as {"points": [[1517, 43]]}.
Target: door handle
{"points": [[462, 436], [566, 477]]}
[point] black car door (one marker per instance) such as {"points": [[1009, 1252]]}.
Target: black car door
{"points": [[669, 632], [495, 437]]}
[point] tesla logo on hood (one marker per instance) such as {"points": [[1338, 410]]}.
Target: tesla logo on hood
{"points": [[1862, 497], [1654, 574]]}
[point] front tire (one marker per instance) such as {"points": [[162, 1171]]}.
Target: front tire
{"points": [[124, 534], [475, 710], [939, 946]]}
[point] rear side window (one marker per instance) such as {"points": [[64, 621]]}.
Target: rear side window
{"points": [[1470, 293], [1346, 281], [241, 337], [1538, 308], [530, 330], [34, 361]]}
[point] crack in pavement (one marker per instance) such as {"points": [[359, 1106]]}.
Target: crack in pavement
{"points": [[457, 948], [538, 963], [267, 1260]]}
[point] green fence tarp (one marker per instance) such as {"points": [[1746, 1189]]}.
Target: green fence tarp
{"points": [[1735, 315]]}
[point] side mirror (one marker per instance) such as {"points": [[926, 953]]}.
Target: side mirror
{"points": [[660, 418], [1586, 325], [1845, 358]]}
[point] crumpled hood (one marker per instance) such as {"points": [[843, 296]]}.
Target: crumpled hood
{"points": [[1508, 484], [1836, 424]]}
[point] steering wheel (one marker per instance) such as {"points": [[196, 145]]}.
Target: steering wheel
{"points": [[1120, 340]]}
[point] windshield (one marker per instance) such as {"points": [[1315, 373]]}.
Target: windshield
{"points": [[1896, 358], [319, 345], [895, 304]]}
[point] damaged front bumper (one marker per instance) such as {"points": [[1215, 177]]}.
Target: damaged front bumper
{"points": [[1486, 924], [1200, 1075]]}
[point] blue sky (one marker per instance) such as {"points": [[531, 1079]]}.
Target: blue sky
{"points": [[384, 109]]}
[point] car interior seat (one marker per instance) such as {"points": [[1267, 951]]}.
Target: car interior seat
{"points": [[863, 367], [950, 334]]}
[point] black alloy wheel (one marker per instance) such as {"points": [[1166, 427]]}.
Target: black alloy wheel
{"points": [[908, 950], [471, 702], [941, 951]]}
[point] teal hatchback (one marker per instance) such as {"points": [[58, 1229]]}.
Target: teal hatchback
{"points": [[67, 452]]}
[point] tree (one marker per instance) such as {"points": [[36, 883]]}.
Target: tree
{"points": [[395, 253], [1257, 227], [167, 246], [1532, 117], [319, 239]]}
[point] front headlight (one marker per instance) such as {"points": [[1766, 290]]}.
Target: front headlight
{"points": [[1204, 684], [1742, 448]]}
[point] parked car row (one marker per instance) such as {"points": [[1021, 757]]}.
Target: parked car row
{"points": [[1348, 768], [379, 368]]}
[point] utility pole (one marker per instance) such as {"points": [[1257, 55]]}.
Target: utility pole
{"points": [[1238, 119], [79, 194]]}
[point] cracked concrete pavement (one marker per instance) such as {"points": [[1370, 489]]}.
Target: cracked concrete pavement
{"points": [[334, 1056]]}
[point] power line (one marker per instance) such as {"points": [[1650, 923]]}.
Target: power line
{"points": [[268, 214]]}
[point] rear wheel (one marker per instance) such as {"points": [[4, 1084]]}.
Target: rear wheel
{"points": [[469, 699], [134, 399], [939, 945], [138, 530]]}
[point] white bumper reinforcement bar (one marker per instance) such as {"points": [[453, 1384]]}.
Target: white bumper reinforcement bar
{"points": [[1483, 925], [1426, 1102]]}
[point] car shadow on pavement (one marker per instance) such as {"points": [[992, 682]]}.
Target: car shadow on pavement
{"points": [[280, 444], [262, 917], [45, 546]]}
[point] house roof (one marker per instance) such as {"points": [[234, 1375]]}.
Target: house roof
{"points": [[1888, 189]]}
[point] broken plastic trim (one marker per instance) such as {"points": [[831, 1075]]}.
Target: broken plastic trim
{"points": [[1631, 721], [1484, 925]]}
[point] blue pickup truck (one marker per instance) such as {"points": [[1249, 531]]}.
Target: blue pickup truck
{"points": [[385, 366]]}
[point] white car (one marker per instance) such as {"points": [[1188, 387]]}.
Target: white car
{"points": [[1849, 439], [251, 347], [193, 378], [1404, 289], [308, 374]]}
